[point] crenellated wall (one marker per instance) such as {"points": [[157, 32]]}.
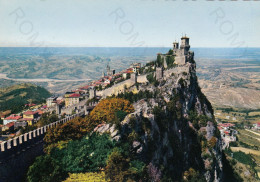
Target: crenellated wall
{"points": [[18, 153], [11, 146]]}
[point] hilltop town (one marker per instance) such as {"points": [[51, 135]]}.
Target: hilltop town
{"points": [[177, 60], [164, 92], [83, 99]]}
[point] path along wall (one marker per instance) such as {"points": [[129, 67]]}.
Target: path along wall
{"points": [[17, 154]]}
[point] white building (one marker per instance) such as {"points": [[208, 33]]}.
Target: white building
{"points": [[11, 118]]}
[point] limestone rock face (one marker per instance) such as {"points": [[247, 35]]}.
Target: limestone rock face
{"points": [[167, 134]]}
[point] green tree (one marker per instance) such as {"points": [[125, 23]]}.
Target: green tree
{"points": [[170, 52], [117, 168], [45, 169], [88, 154], [47, 118]]}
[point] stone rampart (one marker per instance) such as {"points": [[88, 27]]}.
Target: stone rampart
{"points": [[14, 145], [120, 87], [18, 153], [142, 79], [176, 70], [70, 109], [117, 88]]}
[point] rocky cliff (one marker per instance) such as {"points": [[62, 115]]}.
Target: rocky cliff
{"points": [[174, 131]]}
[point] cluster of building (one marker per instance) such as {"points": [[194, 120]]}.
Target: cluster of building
{"points": [[74, 97], [24, 119], [228, 133], [75, 100]]}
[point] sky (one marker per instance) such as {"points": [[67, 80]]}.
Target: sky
{"points": [[128, 23]]}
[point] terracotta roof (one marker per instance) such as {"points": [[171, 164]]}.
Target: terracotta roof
{"points": [[40, 111], [30, 112], [9, 124], [85, 87], [13, 117], [227, 132], [74, 95]]}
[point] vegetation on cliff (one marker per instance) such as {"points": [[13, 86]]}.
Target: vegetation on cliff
{"points": [[15, 97], [72, 147], [165, 132], [106, 110]]}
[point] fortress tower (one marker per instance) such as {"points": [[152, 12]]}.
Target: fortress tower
{"points": [[185, 46], [175, 47], [183, 54]]}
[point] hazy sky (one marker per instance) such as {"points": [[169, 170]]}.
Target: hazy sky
{"points": [[127, 23]]}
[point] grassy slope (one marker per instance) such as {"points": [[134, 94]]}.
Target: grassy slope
{"points": [[15, 97]]}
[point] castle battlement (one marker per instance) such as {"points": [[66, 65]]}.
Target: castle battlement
{"points": [[19, 143]]}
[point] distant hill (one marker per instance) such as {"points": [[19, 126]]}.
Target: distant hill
{"points": [[16, 96]]}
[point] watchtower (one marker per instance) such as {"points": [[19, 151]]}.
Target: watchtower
{"points": [[58, 109], [175, 45], [134, 77], [92, 93], [159, 73], [185, 46]]}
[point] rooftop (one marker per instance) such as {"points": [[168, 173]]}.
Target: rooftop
{"points": [[13, 117], [10, 124], [185, 37], [74, 95]]}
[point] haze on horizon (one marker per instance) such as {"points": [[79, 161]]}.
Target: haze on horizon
{"points": [[130, 23]]}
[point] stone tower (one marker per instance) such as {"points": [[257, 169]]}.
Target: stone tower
{"points": [[92, 93], [185, 46], [58, 109], [175, 47], [159, 73], [134, 77]]}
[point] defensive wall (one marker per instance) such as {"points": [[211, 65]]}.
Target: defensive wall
{"points": [[176, 70], [18, 153], [75, 107], [120, 87]]}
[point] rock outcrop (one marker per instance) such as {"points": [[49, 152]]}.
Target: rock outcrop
{"points": [[176, 130]]}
